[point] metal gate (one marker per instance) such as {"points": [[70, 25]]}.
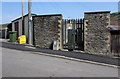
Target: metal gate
{"points": [[77, 35]]}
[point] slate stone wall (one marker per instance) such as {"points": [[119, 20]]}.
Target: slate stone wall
{"points": [[97, 35], [47, 28]]}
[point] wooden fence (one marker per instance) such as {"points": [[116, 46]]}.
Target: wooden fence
{"points": [[115, 42]]}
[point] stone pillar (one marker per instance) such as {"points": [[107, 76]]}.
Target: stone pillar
{"points": [[60, 33], [97, 35], [47, 28]]}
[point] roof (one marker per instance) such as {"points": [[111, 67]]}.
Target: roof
{"points": [[4, 26], [50, 15], [23, 16], [114, 27], [97, 12]]}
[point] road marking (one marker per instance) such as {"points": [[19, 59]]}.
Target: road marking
{"points": [[30, 47], [74, 59]]}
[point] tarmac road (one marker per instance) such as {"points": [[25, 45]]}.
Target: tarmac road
{"points": [[18, 63], [77, 55]]}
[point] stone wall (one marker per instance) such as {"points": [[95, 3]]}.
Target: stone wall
{"points": [[97, 35], [47, 28]]}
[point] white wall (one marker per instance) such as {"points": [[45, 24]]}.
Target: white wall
{"points": [[13, 27], [20, 27], [26, 26], [26, 29]]}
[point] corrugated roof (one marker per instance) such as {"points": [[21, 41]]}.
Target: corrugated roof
{"points": [[23, 16]]}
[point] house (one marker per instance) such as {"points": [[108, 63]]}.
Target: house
{"points": [[4, 30], [115, 39], [17, 25], [45, 29]]}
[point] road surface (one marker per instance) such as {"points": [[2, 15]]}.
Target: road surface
{"points": [[18, 63]]}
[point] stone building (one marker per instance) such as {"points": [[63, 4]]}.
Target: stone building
{"points": [[96, 32]]}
